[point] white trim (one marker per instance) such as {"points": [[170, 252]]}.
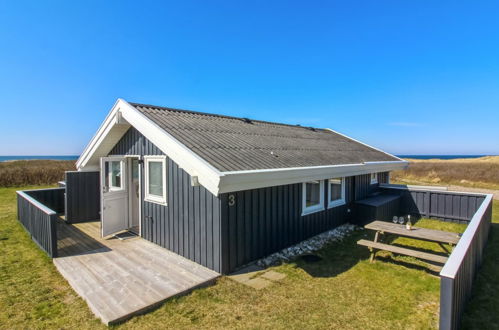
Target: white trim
{"points": [[314, 208], [130, 159], [208, 175], [337, 202], [123, 115], [458, 255], [123, 176], [438, 189], [367, 145], [374, 180], [111, 121], [44, 208], [245, 180], [148, 197]]}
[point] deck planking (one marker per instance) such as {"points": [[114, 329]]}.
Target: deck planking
{"points": [[122, 278]]}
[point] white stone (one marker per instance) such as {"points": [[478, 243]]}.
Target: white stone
{"points": [[310, 245]]}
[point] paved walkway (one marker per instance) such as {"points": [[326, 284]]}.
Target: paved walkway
{"points": [[119, 279]]}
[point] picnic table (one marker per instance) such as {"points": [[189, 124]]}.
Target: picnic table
{"points": [[430, 235]]}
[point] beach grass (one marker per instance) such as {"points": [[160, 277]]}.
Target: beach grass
{"points": [[480, 172], [33, 172]]}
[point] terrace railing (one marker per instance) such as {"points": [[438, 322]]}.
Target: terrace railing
{"points": [[38, 210], [458, 274]]}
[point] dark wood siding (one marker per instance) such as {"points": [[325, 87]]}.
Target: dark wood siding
{"points": [[82, 196], [190, 222], [363, 186], [40, 221], [204, 228], [263, 221], [53, 198], [384, 177]]}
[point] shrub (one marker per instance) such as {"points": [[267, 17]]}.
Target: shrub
{"points": [[465, 173], [33, 172]]}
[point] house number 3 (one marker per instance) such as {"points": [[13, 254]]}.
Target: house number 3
{"points": [[232, 200]]}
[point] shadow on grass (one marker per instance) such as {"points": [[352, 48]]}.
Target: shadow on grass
{"points": [[339, 257]]}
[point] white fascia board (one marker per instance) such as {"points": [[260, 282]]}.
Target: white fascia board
{"points": [[458, 255], [365, 144], [208, 175], [103, 131], [244, 180], [123, 115]]}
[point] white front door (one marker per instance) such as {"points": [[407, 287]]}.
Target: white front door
{"points": [[114, 206]]}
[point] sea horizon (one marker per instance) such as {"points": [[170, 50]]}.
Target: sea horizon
{"points": [[75, 157], [38, 157]]}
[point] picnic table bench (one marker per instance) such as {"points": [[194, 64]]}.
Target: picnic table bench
{"points": [[430, 235]]}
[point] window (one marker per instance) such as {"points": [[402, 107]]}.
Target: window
{"points": [[114, 172], [155, 177], [313, 197], [336, 192], [374, 178]]}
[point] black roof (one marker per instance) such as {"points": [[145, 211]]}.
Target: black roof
{"points": [[235, 144]]}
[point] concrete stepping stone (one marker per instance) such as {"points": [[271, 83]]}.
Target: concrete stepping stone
{"points": [[273, 275]]}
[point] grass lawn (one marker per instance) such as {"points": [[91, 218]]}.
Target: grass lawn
{"points": [[343, 290]]}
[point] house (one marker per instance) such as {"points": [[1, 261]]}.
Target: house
{"points": [[221, 191]]}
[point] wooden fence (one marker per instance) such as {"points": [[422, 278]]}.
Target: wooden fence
{"points": [[37, 210], [437, 204], [82, 196], [458, 274]]}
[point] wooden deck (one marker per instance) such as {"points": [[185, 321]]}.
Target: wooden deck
{"points": [[121, 278]]}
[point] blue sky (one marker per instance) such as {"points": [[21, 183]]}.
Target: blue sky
{"points": [[410, 77]]}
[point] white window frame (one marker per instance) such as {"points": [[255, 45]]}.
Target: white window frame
{"points": [[337, 202], [374, 178], [147, 196], [315, 208], [110, 177]]}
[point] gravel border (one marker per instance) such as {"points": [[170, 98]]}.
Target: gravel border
{"points": [[312, 244]]}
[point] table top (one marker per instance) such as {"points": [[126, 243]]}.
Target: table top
{"points": [[418, 233]]}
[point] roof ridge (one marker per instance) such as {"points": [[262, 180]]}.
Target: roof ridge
{"points": [[224, 116]]}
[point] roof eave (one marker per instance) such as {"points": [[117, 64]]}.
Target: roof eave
{"points": [[245, 180]]}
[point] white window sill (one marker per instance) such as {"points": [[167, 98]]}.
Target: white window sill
{"points": [[336, 203], [313, 209], [155, 201], [374, 182]]}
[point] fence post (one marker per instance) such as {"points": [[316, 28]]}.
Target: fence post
{"points": [[446, 303]]}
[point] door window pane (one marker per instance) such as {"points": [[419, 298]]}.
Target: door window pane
{"points": [[115, 174], [313, 193], [156, 178], [335, 189]]}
